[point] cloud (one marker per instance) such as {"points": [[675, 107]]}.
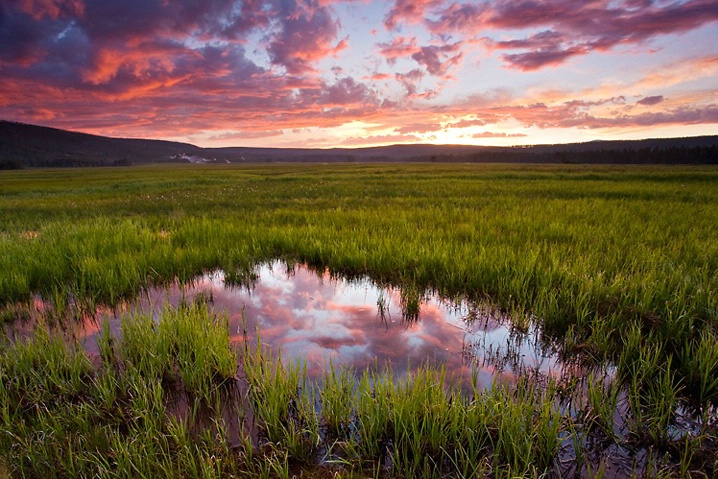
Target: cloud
{"points": [[466, 123], [683, 70], [650, 100], [52, 9], [399, 47], [547, 39], [244, 135], [604, 23], [190, 69], [146, 39], [547, 48], [410, 80], [541, 58], [408, 11], [569, 29], [438, 59], [379, 77], [346, 91], [118, 67], [493, 134], [459, 17], [418, 128], [579, 114], [308, 33], [379, 139], [677, 116]]}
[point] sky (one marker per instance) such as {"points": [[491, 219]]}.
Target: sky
{"points": [[352, 73]]}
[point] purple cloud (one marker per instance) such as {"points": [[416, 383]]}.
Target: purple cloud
{"points": [[541, 58], [458, 17], [650, 100], [571, 28], [438, 59], [411, 11], [409, 80], [308, 33]]}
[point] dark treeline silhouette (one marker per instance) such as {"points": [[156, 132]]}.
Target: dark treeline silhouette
{"points": [[668, 155], [29, 146]]}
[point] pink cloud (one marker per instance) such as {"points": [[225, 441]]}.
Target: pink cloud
{"points": [[379, 77], [408, 11], [379, 139], [399, 47], [53, 9], [418, 128], [571, 29], [168, 69], [678, 116], [78, 62], [243, 135], [492, 134], [468, 123], [437, 59]]}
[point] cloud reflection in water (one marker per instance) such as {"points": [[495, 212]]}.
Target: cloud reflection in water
{"points": [[354, 323]]}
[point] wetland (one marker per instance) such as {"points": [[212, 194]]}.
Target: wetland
{"points": [[359, 321]]}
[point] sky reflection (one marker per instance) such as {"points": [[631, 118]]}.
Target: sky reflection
{"points": [[350, 323]]}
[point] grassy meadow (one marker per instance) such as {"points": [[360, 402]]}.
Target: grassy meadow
{"points": [[617, 264]]}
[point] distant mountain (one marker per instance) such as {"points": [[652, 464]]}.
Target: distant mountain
{"points": [[23, 146]]}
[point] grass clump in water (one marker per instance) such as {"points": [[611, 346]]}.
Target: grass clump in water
{"points": [[188, 345], [63, 416]]}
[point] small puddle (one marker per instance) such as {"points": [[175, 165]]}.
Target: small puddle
{"points": [[319, 319]]}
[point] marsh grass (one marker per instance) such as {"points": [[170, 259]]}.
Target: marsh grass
{"points": [[283, 403], [614, 264], [64, 414]]}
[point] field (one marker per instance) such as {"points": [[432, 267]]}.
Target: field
{"points": [[616, 265]]}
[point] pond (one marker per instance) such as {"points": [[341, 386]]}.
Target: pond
{"points": [[321, 319]]}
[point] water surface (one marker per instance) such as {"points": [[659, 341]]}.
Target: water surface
{"points": [[318, 318]]}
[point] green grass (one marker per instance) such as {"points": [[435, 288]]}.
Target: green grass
{"points": [[617, 264], [64, 414]]}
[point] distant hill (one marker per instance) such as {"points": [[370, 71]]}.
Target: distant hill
{"points": [[34, 146], [23, 146]]}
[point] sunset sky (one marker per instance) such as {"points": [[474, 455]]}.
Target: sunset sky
{"points": [[330, 73]]}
